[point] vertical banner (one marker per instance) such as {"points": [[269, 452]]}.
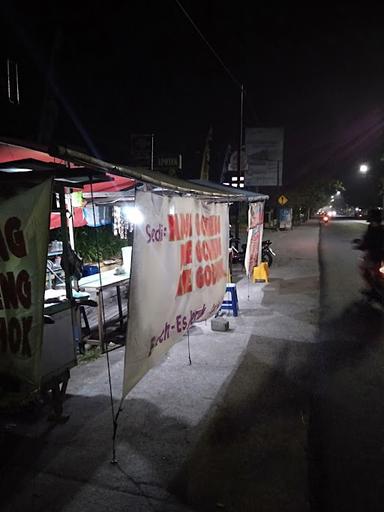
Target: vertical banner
{"points": [[178, 277], [24, 225], [255, 236]]}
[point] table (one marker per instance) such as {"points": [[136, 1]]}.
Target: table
{"points": [[98, 283]]}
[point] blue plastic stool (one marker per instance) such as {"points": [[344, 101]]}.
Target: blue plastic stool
{"points": [[233, 303]]}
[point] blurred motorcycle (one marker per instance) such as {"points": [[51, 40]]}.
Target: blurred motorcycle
{"points": [[325, 219], [267, 253], [373, 275]]}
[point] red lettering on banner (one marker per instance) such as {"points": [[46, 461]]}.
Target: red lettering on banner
{"points": [[15, 291], [172, 228], [185, 225], [185, 282], [186, 254], [208, 250], [180, 226], [207, 226], [210, 274], [14, 335], [12, 240]]}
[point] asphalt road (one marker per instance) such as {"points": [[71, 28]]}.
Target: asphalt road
{"points": [[346, 425]]}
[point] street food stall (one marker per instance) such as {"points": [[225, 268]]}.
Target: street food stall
{"points": [[40, 301], [86, 199]]}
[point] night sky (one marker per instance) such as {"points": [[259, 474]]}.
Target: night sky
{"points": [[140, 67]]}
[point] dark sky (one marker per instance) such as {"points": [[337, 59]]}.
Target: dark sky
{"points": [[139, 67]]}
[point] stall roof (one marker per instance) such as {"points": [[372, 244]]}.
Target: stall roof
{"points": [[35, 160], [82, 167], [250, 196], [162, 182], [32, 168]]}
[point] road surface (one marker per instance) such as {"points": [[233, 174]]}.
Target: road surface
{"points": [[346, 426]]}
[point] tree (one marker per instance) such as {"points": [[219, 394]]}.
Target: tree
{"points": [[310, 196]]}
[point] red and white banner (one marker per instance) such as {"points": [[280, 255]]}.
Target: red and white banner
{"points": [[179, 275], [24, 225], [255, 236]]}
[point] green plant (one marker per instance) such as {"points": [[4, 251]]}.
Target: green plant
{"points": [[94, 244]]}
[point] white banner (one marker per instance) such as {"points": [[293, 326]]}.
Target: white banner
{"points": [[264, 148], [255, 236], [179, 275], [24, 227]]}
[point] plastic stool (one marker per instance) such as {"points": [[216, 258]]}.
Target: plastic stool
{"points": [[261, 272], [233, 303]]}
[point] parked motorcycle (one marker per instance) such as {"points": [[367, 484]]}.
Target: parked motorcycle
{"points": [[267, 253], [238, 255]]}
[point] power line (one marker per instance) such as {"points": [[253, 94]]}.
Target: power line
{"points": [[217, 56]]}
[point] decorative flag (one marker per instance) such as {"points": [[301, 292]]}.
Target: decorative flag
{"points": [[206, 162], [255, 236]]}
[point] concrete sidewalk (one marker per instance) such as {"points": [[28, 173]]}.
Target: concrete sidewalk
{"points": [[227, 432]]}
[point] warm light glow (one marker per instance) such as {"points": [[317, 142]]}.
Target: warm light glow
{"points": [[133, 215]]}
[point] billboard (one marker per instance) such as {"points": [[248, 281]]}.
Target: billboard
{"points": [[142, 149], [264, 148]]}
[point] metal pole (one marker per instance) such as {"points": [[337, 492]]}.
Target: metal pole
{"points": [[240, 144], [141, 175], [64, 233]]}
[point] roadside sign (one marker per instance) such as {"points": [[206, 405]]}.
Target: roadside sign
{"points": [[282, 200]]}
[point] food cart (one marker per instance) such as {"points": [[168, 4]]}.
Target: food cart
{"points": [[39, 360]]}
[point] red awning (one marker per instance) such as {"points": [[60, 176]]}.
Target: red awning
{"points": [[117, 184], [78, 219], [9, 153]]}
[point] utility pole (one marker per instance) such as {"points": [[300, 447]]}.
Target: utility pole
{"points": [[152, 149], [240, 144]]}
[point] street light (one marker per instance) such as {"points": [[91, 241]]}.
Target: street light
{"points": [[363, 168]]}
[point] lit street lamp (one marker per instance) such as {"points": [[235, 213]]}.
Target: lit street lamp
{"points": [[363, 168]]}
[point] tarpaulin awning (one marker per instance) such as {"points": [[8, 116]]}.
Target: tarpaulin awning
{"points": [[247, 194], [164, 183], [78, 219], [117, 184], [12, 153]]}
